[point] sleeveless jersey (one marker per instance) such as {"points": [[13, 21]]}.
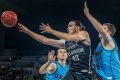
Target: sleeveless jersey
{"points": [[79, 55], [106, 62], [59, 73]]}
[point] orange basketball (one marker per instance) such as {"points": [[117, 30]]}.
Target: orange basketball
{"points": [[9, 18]]}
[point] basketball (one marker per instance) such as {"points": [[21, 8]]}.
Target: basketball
{"points": [[9, 19]]}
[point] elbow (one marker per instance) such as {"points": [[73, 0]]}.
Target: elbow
{"points": [[40, 71], [45, 41], [101, 31]]}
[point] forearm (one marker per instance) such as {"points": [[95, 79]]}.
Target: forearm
{"points": [[61, 35], [43, 68], [96, 24], [37, 37]]}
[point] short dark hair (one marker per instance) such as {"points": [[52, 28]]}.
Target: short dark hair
{"points": [[111, 28], [59, 49], [78, 23]]}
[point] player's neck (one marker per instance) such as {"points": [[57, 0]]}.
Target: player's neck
{"points": [[62, 62]]}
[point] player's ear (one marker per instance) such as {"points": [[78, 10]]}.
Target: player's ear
{"points": [[109, 32], [77, 28]]}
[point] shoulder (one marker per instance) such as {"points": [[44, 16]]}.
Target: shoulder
{"points": [[85, 36], [108, 45], [62, 40], [83, 32], [53, 65], [52, 68]]}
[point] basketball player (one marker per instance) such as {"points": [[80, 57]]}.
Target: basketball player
{"points": [[78, 46], [106, 59], [55, 70], [77, 43]]}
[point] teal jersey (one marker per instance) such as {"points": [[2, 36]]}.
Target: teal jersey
{"points": [[59, 73], [106, 63]]}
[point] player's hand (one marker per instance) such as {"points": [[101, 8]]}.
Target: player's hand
{"points": [[51, 56], [45, 28], [22, 28], [86, 9]]}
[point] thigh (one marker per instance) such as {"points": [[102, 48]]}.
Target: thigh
{"points": [[76, 76], [86, 76]]}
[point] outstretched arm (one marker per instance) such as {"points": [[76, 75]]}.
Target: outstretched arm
{"points": [[49, 66], [40, 38], [71, 37]]}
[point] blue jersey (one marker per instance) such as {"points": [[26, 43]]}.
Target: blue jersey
{"points": [[106, 63], [59, 73]]}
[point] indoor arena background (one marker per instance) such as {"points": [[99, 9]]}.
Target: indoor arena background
{"points": [[20, 55]]}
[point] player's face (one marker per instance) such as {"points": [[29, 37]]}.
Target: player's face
{"points": [[62, 54], [71, 27], [106, 29]]}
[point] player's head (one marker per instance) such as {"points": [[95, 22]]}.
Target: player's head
{"points": [[109, 28], [75, 26], [62, 54]]}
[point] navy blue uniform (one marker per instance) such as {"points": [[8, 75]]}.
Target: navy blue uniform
{"points": [[79, 56]]}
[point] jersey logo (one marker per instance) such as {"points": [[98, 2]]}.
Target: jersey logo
{"points": [[58, 76]]}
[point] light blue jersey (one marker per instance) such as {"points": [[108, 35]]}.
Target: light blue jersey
{"points": [[59, 73], [106, 63]]}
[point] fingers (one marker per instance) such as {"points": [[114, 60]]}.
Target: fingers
{"points": [[51, 56], [43, 31], [85, 4], [54, 57], [52, 52], [21, 27], [20, 30], [41, 28], [47, 24], [43, 24]]}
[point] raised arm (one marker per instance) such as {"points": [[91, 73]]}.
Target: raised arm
{"points": [[40, 38], [49, 66], [96, 24], [107, 41]]}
